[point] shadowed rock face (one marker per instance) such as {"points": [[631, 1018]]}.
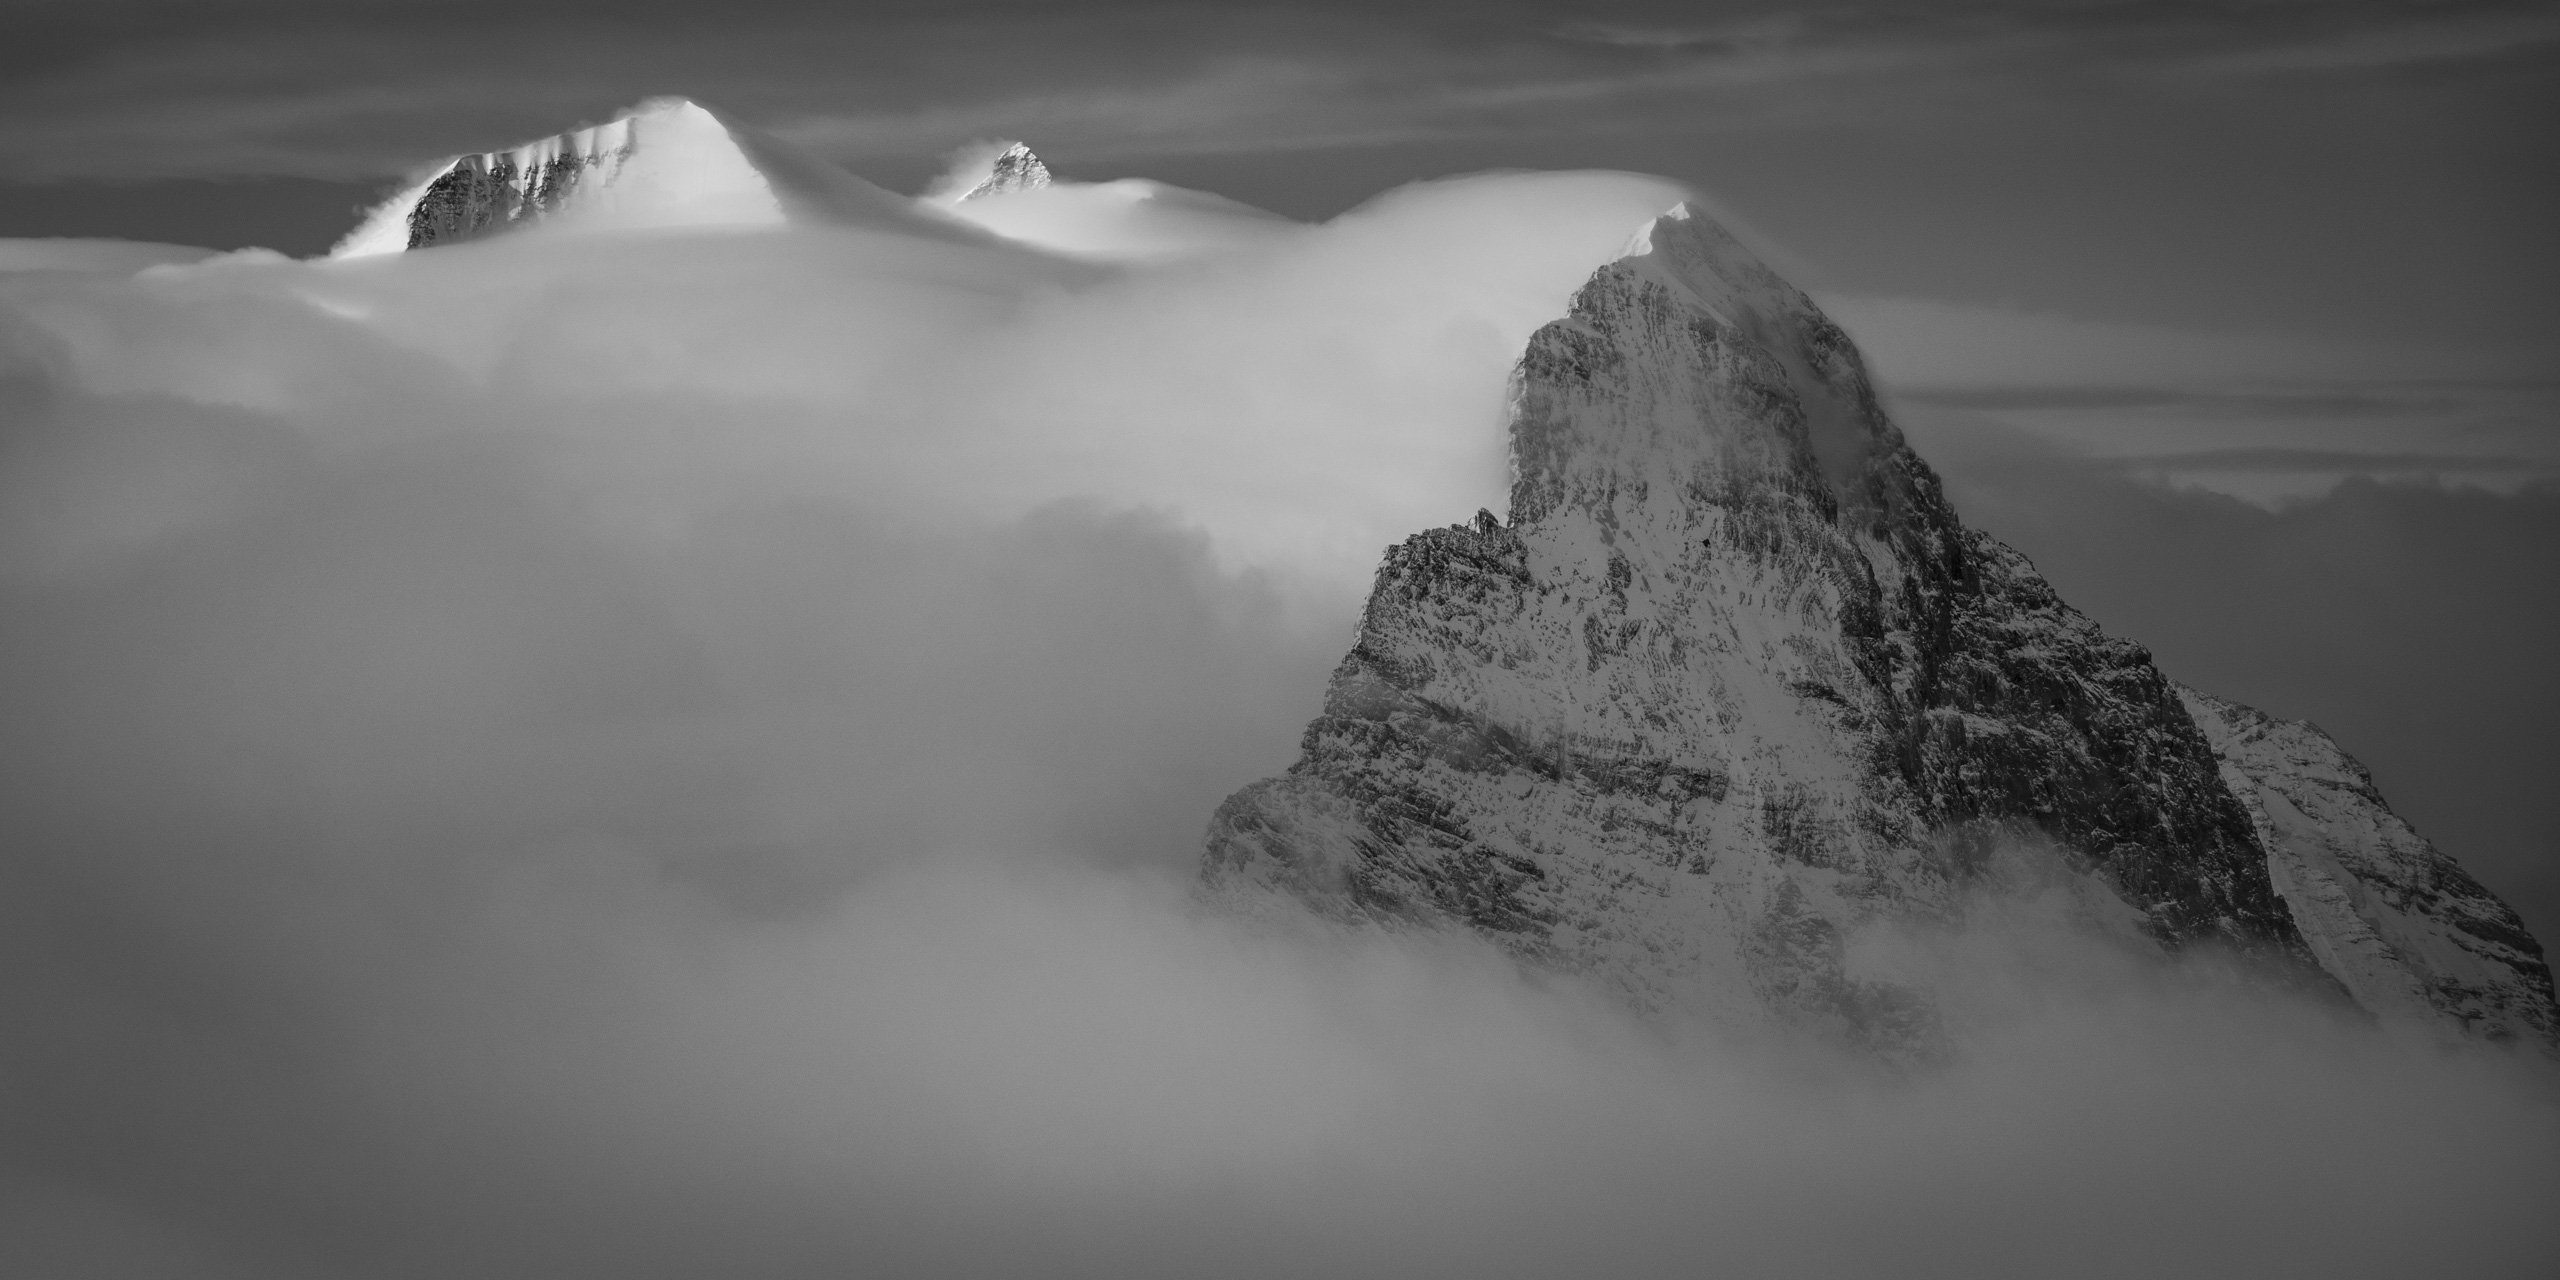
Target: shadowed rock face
{"points": [[1731, 683], [481, 194]]}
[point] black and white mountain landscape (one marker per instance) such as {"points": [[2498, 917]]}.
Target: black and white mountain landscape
{"points": [[653, 705], [1733, 683]]}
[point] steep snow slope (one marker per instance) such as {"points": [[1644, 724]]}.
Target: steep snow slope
{"points": [[2412, 936], [1730, 684], [668, 163]]}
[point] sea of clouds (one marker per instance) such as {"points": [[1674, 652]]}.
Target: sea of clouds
{"points": [[668, 754]]}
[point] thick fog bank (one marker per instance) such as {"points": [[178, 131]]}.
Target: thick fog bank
{"points": [[662, 756]]}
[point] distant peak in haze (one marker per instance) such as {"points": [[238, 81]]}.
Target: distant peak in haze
{"points": [[1013, 169], [669, 162]]}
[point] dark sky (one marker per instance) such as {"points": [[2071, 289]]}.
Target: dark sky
{"points": [[2335, 168]]}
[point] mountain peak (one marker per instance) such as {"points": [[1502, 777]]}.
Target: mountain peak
{"points": [[1733, 684], [1657, 419], [668, 162], [1013, 169], [1700, 260]]}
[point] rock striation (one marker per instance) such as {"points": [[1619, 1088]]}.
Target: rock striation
{"points": [[1732, 683]]}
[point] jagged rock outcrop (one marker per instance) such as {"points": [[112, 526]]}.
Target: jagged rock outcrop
{"points": [[1731, 682], [2403, 927], [668, 163], [1013, 169], [479, 194]]}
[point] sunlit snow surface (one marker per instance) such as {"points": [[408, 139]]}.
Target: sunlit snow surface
{"points": [[670, 163]]}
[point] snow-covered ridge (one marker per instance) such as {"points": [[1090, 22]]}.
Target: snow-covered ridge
{"points": [[1013, 194], [1733, 686], [674, 163], [2412, 937], [1013, 169], [668, 163]]}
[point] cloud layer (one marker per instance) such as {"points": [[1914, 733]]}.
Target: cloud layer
{"points": [[655, 755]]}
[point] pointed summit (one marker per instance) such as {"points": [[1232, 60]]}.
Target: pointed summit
{"points": [[1013, 169], [1733, 685], [669, 162]]}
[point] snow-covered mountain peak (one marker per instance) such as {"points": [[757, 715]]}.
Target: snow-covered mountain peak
{"points": [[669, 162], [1013, 169], [1685, 272], [1695, 257], [1701, 262], [1733, 686]]}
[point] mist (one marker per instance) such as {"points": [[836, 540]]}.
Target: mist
{"points": [[661, 754]]}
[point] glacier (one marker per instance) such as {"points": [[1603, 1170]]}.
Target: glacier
{"points": [[1732, 687]]}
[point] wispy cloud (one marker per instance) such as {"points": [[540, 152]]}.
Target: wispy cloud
{"points": [[2353, 401], [2407, 37], [2337, 461], [287, 89]]}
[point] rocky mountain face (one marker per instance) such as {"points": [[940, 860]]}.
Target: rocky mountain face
{"points": [[479, 194], [2410, 934], [1732, 683], [1013, 169]]}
